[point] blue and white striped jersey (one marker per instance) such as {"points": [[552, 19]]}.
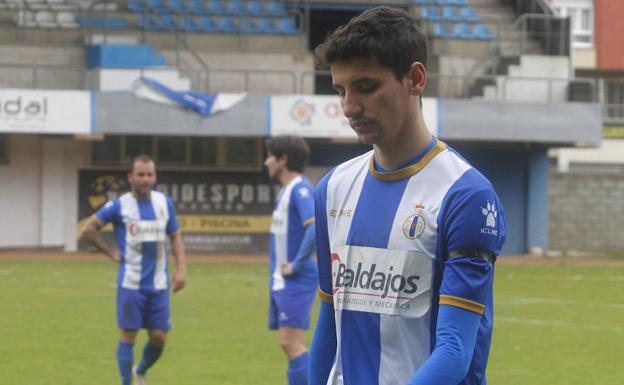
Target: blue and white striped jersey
{"points": [[141, 228], [383, 241], [293, 212]]}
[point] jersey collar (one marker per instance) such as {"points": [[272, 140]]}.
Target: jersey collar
{"points": [[410, 170]]}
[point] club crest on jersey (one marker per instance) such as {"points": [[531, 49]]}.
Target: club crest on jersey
{"points": [[414, 226]]}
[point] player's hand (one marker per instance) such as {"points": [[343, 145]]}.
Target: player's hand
{"points": [[287, 270], [179, 280], [115, 257]]}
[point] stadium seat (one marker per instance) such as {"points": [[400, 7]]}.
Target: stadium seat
{"points": [[448, 13], [36, 5], [287, 26], [248, 25], [227, 24], [431, 13], [267, 26], [451, 2], [442, 31], [156, 5], [207, 24], [215, 7], [175, 6], [469, 15], [60, 6], [276, 8], [462, 31], [197, 7], [482, 32], [135, 6], [235, 7], [167, 23], [256, 8], [66, 19], [102, 23], [423, 2], [46, 19], [25, 18], [187, 23], [147, 22]]}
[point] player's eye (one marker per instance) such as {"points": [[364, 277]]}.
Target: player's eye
{"points": [[367, 88]]}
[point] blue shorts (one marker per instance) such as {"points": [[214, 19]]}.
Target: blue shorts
{"points": [[291, 308], [143, 308]]}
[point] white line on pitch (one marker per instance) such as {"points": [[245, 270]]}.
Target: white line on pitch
{"points": [[554, 301], [561, 324]]}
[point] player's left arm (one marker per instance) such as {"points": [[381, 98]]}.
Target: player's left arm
{"points": [[177, 247], [473, 232], [303, 199]]}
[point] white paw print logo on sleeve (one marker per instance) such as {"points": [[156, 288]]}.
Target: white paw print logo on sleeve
{"points": [[490, 214]]}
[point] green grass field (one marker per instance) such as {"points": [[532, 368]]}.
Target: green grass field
{"points": [[554, 325]]}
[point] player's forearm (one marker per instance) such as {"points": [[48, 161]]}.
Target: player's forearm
{"points": [[323, 349], [308, 243], [92, 234], [179, 254], [456, 334]]}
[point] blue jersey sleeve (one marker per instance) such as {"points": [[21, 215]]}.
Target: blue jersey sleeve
{"points": [[323, 254], [473, 226], [473, 216], [456, 334], [172, 223], [303, 199], [109, 212]]}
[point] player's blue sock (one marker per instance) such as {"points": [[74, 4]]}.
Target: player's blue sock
{"points": [[151, 353], [124, 361], [298, 370]]}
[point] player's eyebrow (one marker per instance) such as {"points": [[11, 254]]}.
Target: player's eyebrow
{"points": [[357, 81]]}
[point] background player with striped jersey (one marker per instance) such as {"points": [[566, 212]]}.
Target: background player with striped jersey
{"points": [[293, 280], [142, 219], [407, 234]]}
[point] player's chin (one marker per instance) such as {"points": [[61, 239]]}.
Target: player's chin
{"points": [[368, 137]]}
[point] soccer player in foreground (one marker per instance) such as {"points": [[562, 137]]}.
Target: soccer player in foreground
{"points": [[293, 280], [407, 234], [142, 220]]}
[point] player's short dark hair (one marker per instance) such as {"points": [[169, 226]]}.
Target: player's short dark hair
{"points": [[294, 147], [390, 35], [143, 158]]}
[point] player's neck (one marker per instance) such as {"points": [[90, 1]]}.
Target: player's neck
{"points": [[287, 176], [400, 149], [142, 197]]}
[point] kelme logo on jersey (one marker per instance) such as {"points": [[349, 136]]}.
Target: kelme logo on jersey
{"points": [[369, 277], [490, 213], [382, 281], [414, 225]]}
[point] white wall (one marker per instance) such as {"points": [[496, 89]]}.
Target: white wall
{"points": [[39, 192], [20, 187], [610, 152], [538, 78]]}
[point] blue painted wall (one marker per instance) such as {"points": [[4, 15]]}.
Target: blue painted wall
{"points": [[507, 170]]}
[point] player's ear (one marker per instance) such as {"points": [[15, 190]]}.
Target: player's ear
{"points": [[417, 77]]}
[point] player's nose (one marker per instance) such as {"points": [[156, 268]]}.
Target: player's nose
{"points": [[351, 105]]}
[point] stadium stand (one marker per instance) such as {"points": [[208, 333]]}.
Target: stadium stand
{"points": [[480, 49]]}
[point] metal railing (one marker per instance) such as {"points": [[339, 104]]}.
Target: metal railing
{"points": [[552, 31], [501, 88]]}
